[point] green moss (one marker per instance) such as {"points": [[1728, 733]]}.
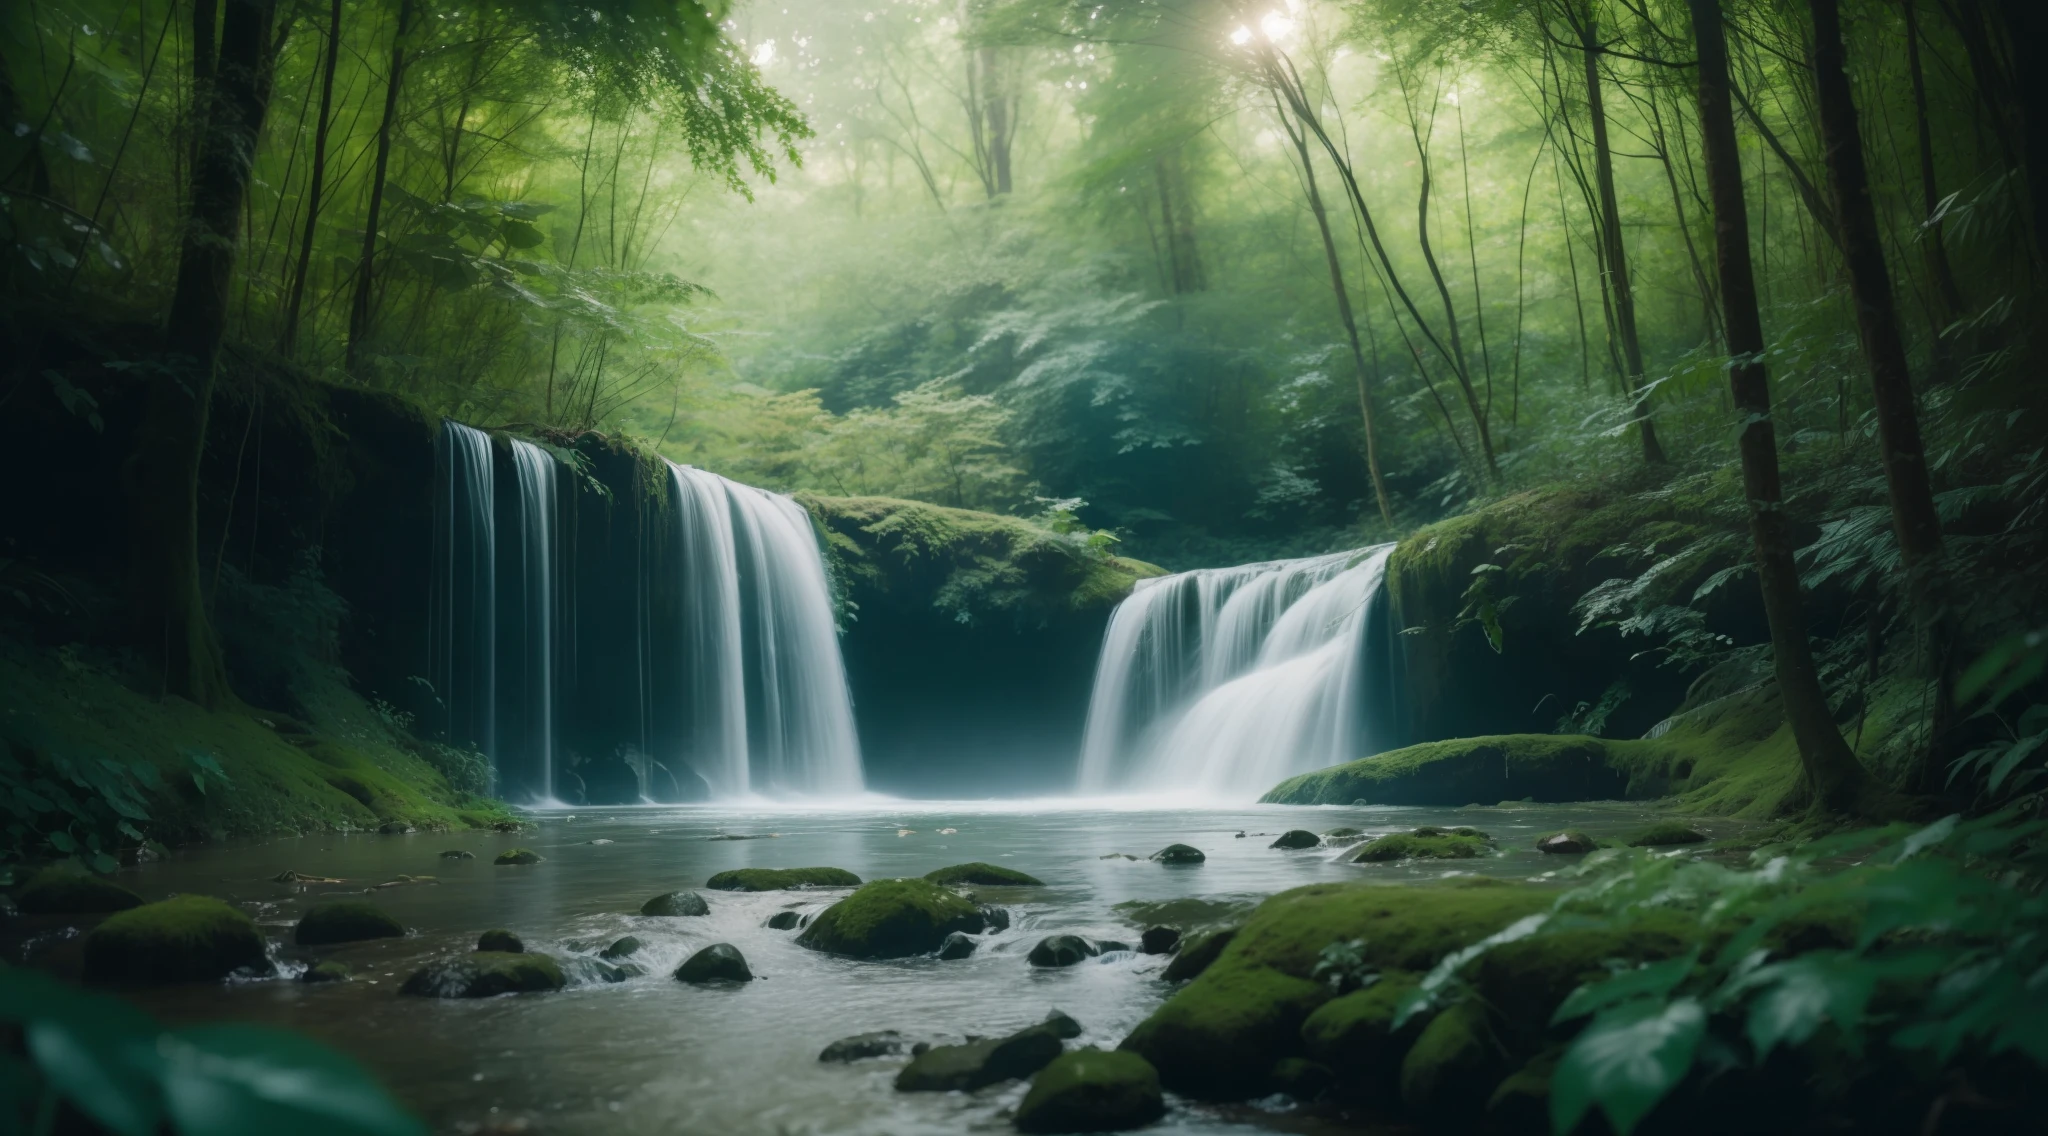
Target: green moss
{"points": [[185, 939], [1664, 834], [1424, 844], [1354, 1036], [1197, 954], [518, 857], [345, 921], [1447, 774], [781, 879], [501, 941], [891, 919], [987, 875], [67, 891], [1525, 981], [1216, 1039], [1451, 1070], [485, 974], [1092, 1091]]}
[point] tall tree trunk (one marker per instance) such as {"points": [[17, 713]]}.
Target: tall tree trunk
{"points": [[1948, 297], [289, 340], [1614, 250], [1000, 113], [359, 305], [1914, 520], [1344, 313], [1833, 774], [163, 471], [1177, 218]]}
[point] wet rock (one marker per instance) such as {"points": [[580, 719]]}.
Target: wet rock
{"points": [[781, 879], [329, 971], [1108, 945], [625, 947], [1665, 834], [1159, 940], [676, 903], [485, 974], [518, 856], [995, 918], [1061, 1025], [1295, 838], [958, 945], [1240, 836], [862, 1046], [964, 1068], [1062, 950], [1179, 854], [345, 921], [985, 875], [1092, 1091], [1427, 843], [892, 919], [1453, 1068], [1197, 953], [783, 921], [501, 940], [394, 828], [719, 962], [1116, 856], [457, 854], [1343, 837], [1356, 1032], [56, 891], [188, 938], [1570, 842]]}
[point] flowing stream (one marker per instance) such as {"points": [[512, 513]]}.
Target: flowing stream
{"points": [[652, 1055]]}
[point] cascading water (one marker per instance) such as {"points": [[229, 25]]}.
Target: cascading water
{"points": [[1223, 682], [466, 645], [764, 688], [530, 619]]}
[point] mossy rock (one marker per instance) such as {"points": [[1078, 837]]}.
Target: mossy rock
{"points": [[1354, 1036], [1187, 913], [1521, 1102], [781, 879], [1092, 1091], [345, 921], [1300, 1078], [985, 875], [1219, 1035], [1664, 834], [1179, 854], [719, 962], [325, 972], [1525, 981], [1296, 838], [1570, 842], [515, 857], [1448, 774], [965, 1068], [1197, 953], [1452, 1069], [501, 941], [623, 947], [485, 974], [58, 891], [189, 938], [892, 919], [1424, 844], [1062, 950], [676, 903]]}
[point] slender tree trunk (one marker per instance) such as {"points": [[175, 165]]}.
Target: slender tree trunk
{"points": [[1460, 364], [1615, 250], [163, 472], [1914, 519], [1000, 126], [288, 342], [1833, 774], [1949, 298], [1344, 313], [359, 305]]}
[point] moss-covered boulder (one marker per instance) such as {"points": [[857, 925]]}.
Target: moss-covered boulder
{"points": [[1452, 1069], [1425, 844], [458, 854], [676, 903], [892, 919], [485, 974], [518, 857], [1092, 1091], [60, 891], [1570, 842], [719, 962], [1179, 854], [1448, 774], [863, 1046], [345, 921], [1664, 834], [501, 940], [781, 879], [1062, 950], [325, 972], [189, 938], [1220, 1035], [626, 946], [1197, 953], [1296, 838], [1354, 1036], [964, 1068], [985, 875]]}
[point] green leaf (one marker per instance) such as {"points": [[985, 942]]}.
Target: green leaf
{"points": [[1656, 980], [1801, 993], [62, 842], [522, 234], [1425, 993], [1927, 837], [232, 1080], [1629, 1059], [98, 1052]]}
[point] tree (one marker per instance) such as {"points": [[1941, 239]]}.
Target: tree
{"points": [[1832, 772], [163, 471]]}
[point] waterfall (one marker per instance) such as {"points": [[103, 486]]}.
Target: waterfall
{"points": [[465, 633], [1223, 682], [530, 618], [763, 686]]}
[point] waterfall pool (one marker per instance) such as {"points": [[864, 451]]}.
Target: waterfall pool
{"points": [[652, 1055]]}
